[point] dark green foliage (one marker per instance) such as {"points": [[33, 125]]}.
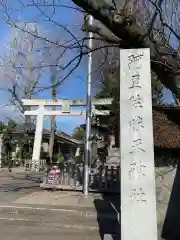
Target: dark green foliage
{"points": [[79, 133], [110, 88]]}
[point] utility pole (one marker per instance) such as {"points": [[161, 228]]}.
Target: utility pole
{"points": [[88, 116]]}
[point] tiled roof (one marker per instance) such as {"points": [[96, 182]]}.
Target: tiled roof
{"points": [[166, 125], [59, 135]]}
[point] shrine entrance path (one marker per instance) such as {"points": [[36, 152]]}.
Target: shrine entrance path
{"points": [[28, 212], [23, 202]]}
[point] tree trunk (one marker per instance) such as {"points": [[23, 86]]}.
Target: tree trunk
{"points": [[53, 128], [117, 132], [132, 33]]}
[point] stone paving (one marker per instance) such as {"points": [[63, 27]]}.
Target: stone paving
{"points": [[23, 206], [14, 185], [71, 199], [32, 213], [19, 230]]}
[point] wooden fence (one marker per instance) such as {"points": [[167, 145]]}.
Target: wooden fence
{"points": [[70, 176], [28, 164]]}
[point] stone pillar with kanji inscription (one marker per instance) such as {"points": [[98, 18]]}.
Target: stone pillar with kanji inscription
{"points": [[138, 197]]}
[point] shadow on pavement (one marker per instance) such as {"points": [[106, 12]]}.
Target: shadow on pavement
{"points": [[108, 212], [171, 227]]}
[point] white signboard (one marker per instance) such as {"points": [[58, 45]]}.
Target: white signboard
{"points": [[138, 201]]}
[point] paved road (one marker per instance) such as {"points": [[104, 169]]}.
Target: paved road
{"points": [[14, 185], [27, 225], [65, 226], [15, 230], [45, 226]]}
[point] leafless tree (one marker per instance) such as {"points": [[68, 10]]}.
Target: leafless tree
{"points": [[118, 24], [18, 76], [130, 24], [143, 24], [74, 45], [52, 56], [26, 62]]}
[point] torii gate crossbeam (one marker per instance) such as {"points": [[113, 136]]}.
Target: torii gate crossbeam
{"points": [[66, 110]]}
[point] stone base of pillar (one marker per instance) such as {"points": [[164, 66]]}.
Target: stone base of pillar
{"points": [[35, 166]]}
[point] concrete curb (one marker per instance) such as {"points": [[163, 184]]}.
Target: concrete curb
{"points": [[31, 210], [47, 224]]}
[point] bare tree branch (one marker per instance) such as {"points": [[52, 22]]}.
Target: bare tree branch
{"points": [[54, 5], [127, 25]]}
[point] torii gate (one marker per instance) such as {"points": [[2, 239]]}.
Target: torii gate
{"points": [[66, 110]]}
